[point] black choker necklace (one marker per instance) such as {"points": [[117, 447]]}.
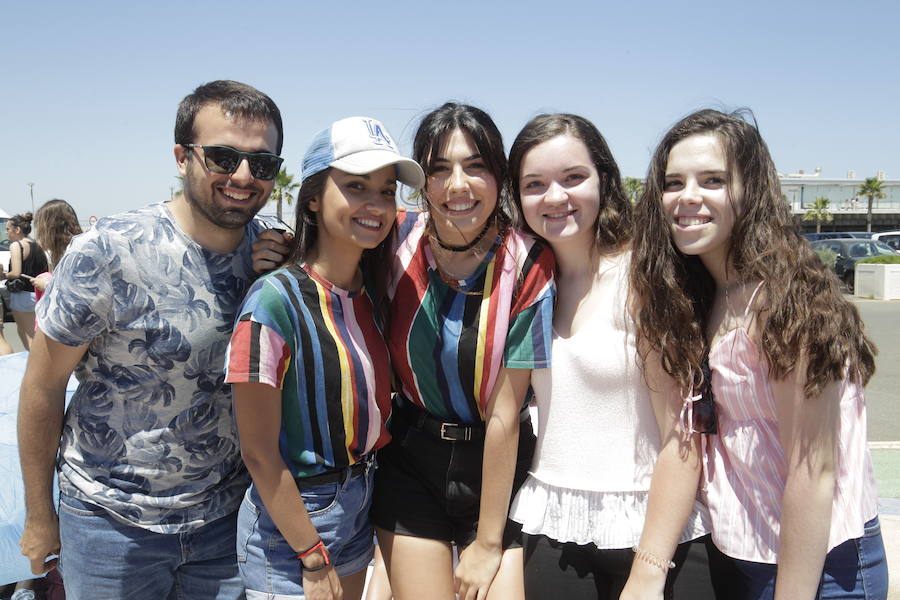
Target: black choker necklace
{"points": [[464, 247]]}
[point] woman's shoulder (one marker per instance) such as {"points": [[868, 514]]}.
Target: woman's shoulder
{"points": [[522, 244]]}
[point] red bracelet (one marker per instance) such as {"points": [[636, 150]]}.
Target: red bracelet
{"points": [[318, 546]]}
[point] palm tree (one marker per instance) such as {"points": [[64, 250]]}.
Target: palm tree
{"points": [[872, 188], [283, 191], [176, 190], [819, 212], [633, 188]]}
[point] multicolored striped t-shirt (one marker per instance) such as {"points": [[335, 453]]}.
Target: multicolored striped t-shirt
{"points": [[448, 342], [320, 345]]}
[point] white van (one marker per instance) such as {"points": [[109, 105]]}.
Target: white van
{"points": [[891, 238]]}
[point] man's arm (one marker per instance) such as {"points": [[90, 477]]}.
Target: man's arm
{"points": [[41, 410]]}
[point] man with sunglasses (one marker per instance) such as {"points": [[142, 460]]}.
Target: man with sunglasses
{"points": [[141, 307]]}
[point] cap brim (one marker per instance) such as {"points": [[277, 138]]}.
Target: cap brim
{"points": [[408, 171]]}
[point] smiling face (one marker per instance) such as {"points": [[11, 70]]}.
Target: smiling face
{"points": [[560, 191], [461, 190], [355, 212], [225, 201], [697, 199]]}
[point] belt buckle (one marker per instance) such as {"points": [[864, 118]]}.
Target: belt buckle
{"points": [[466, 437]]}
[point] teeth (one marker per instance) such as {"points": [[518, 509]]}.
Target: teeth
{"points": [[459, 206], [236, 195], [373, 223], [688, 221], [558, 215]]}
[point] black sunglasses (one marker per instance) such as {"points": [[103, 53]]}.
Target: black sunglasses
{"points": [[704, 409], [225, 160]]}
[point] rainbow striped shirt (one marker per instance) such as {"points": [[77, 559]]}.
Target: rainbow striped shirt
{"points": [[321, 346], [447, 346]]}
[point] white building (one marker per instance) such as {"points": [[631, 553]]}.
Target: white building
{"points": [[846, 205]]}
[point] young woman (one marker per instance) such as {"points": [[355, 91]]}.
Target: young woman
{"points": [[26, 260], [600, 428], [311, 374], [471, 305], [55, 224], [726, 284]]}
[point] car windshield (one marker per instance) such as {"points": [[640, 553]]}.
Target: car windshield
{"points": [[882, 248]]}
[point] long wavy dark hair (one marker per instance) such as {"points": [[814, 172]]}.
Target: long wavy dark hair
{"points": [[375, 262], [440, 123], [804, 312], [613, 225]]}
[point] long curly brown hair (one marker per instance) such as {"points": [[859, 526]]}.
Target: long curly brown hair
{"points": [[804, 312]]}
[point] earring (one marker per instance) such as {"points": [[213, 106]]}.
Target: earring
{"points": [[309, 218]]}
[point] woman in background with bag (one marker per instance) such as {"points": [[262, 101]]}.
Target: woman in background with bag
{"points": [[26, 259]]}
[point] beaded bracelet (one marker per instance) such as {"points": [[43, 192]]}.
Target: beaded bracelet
{"points": [[652, 559]]}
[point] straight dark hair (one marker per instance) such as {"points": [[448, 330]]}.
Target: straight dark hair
{"points": [[613, 225], [803, 312], [233, 97]]}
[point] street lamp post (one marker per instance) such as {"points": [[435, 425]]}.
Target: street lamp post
{"points": [[31, 191]]}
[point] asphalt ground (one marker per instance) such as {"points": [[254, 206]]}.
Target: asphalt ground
{"points": [[882, 322]]}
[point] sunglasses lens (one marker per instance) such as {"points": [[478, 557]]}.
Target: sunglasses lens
{"points": [[264, 166], [220, 159]]}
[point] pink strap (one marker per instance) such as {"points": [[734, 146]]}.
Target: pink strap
{"points": [[686, 416], [752, 298]]}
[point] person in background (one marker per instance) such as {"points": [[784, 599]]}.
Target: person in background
{"points": [[5, 347], [738, 307], [26, 260], [55, 224], [610, 460], [141, 307]]}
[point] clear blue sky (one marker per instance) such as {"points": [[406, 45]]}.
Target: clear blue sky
{"points": [[89, 90]]}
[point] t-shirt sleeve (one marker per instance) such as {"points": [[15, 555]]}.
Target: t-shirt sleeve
{"points": [[260, 346], [531, 322], [78, 306]]}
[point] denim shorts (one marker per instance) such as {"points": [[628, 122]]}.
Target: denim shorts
{"points": [[854, 569], [21, 301], [430, 487], [340, 514], [102, 557]]}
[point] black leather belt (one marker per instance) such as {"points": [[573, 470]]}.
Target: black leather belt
{"points": [[451, 432], [333, 476]]}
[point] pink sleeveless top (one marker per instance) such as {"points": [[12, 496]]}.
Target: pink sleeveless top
{"points": [[745, 467]]}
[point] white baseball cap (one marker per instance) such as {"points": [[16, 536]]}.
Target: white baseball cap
{"points": [[359, 145]]}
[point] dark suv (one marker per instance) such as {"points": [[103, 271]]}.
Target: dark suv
{"points": [[848, 252]]}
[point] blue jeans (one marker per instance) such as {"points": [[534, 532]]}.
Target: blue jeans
{"points": [[102, 557], [340, 514], [856, 569]]}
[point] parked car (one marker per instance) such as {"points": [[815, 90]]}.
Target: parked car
{"points": [[848, 251], [891, 238], [826, 235]]}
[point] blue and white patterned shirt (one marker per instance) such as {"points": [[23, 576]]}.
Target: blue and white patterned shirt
{"points": [[149, 434]]}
